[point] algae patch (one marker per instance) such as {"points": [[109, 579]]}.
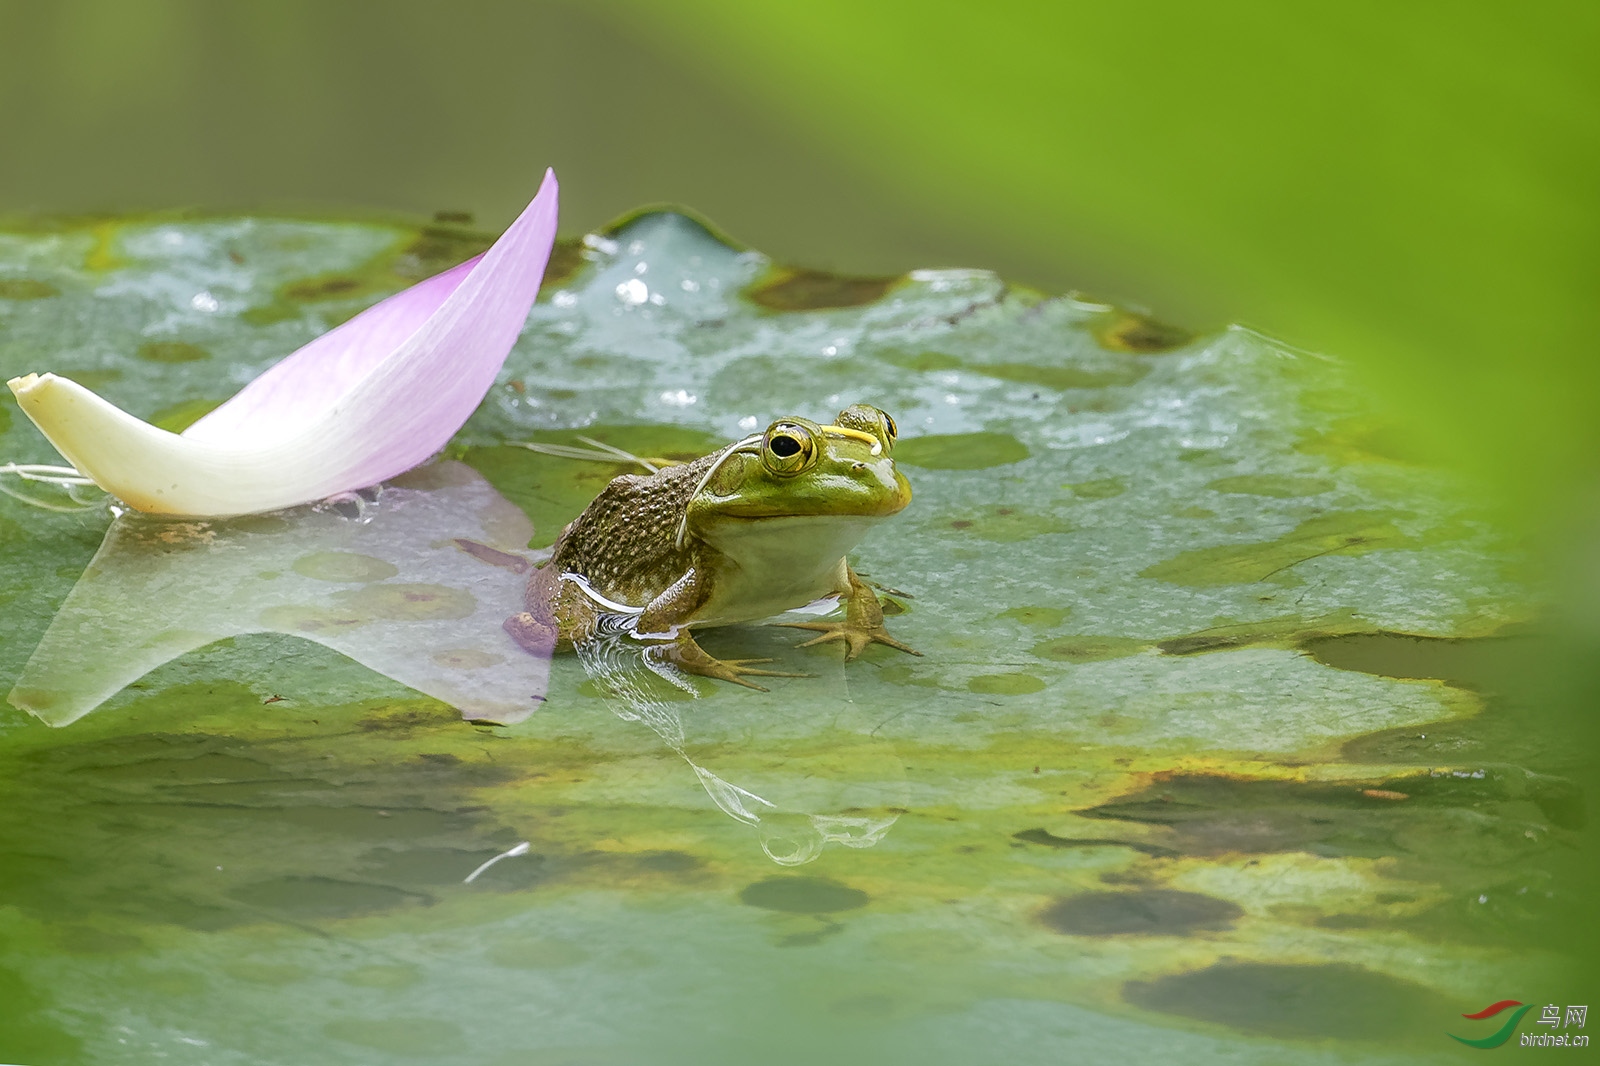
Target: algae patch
{"points": [[816, 290]]}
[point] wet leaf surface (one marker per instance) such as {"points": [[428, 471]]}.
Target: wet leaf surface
{"points": [[1225, 743]]}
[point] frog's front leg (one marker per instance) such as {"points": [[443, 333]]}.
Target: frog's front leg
{"points": [[668, 615], [862, 623]]}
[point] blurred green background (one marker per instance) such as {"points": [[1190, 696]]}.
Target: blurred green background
{"points": [[1412, 187]]}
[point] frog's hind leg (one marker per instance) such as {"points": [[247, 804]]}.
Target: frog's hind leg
{"points": [[689, 657], [665, 619], [861, 625]]}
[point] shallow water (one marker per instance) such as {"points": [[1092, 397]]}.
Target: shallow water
{"points": [[1224, 742]]}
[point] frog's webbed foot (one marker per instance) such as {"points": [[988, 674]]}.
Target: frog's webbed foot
{"points": [[689, 657], [856, 636], [861, 625]]}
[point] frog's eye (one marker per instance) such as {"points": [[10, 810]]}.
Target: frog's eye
{"points": [[788, 449], [888, 424]]}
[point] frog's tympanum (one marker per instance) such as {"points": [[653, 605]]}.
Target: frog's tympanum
{"points": [[755, 529]]}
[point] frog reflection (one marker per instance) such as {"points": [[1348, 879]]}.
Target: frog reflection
{"points": [[750, 531]]}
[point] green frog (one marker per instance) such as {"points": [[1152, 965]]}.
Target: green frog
{"points": [[757, 528]]}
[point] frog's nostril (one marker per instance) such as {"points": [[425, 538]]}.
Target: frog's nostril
{"points": [[858, 466]]}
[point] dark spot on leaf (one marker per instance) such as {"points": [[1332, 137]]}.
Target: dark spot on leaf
{"points": [[172, 352], [669, 862], [1297, 1002], [1050, 840], [1473, 817], [1472, 662], [815, 290], [803, 895], [439, 247], [1151, 912]]}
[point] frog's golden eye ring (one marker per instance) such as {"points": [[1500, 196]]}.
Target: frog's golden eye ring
{"points": [[873, 442], [888, 424], [788, 449]]}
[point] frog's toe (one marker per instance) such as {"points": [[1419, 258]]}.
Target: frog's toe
{"points": [[856, 638], [690, 658], [736, 670]]}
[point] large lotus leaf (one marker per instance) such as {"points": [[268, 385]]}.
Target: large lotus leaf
{"points": [[1219, 744]]}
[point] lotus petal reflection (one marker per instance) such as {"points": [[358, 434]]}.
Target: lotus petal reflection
{"points": [[413, 583], [362, 403]]}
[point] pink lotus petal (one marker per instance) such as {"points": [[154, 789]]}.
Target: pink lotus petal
{"points": [[303, 386], [405, 374], [365, 402]]}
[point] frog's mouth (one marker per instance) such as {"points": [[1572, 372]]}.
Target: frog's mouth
{"points": [[872, 509], [845, 494]]}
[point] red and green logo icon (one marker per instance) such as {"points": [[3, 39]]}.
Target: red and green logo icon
{"points": [[1501, 1035]]}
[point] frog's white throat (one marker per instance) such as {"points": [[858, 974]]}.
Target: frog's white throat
{"points": [[772, 565]]}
